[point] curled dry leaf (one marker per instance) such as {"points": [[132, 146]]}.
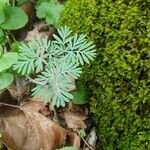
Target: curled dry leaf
{"points": [[6, 97], [13, 91], [24, 129], [78, 108], [19, 90], [75, 121], [22, 87], [41, 29], [38, 106], [74, 140]]}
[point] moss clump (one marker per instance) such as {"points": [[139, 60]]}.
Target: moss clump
{"points": [[119, 78]]}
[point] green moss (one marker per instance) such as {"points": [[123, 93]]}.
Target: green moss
{"points": [[119, 78]]}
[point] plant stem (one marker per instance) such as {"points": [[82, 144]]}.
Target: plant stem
{"points": [[8, 40], [85, 141], [12, 37], [87, 144], [13, 4], [4, 104], [34, 81]]}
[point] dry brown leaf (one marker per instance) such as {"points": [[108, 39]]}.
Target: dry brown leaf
{"points": [[37, 106], [20, 89], [74, 120], [73, 140], [24, 129], [21, 85], [13, 91], [5, 97], [12, 126], [41, 29], [1, 91]]}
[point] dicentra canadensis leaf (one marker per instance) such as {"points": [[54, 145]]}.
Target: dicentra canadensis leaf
{"points": [[57, 63]]}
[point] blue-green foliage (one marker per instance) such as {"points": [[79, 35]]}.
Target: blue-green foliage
{"points": [[119, 78], [56, 63]]}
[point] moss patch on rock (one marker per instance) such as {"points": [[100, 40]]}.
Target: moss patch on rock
{"points": [[119, 78]]}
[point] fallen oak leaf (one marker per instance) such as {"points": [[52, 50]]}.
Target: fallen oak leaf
{"points": [[74, 120], [49, 134], [74, 140], [24, 129], [12, 126], [38, 106], [42, 29]]}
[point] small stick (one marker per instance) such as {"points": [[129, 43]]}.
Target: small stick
{"points": [[85, 141], [9, 105], [87, 144], [33, 81], [14, 1]]}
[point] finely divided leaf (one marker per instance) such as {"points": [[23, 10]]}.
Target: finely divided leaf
{"points": [[33, 56], [64, 33], [59, 60]]}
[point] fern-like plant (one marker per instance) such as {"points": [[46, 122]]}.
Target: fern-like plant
{"points": [[56, 62]]}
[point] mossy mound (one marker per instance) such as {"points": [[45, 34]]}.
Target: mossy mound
{"points": [[119, 78]]}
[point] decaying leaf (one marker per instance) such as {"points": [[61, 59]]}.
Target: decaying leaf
{"points": [[20, 89], [5, 97], [78, 108], [37, 106], [73, 140], [75, 121], [21, 86], [13, 91], [24, 129], [42, 29]]}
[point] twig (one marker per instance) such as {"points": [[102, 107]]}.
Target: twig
{"points": [[13, 3], [8, 40], [9, 105], [87, 143], [34, 81], [84, 141], [55, 117]]}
